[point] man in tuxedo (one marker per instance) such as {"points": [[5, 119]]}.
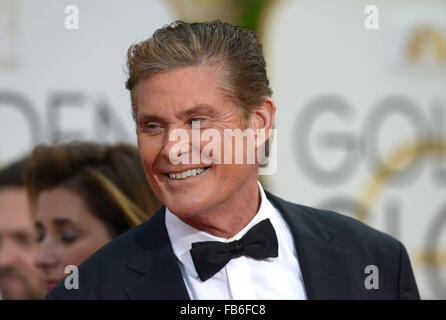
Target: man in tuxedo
{"points": [[220, 235]]}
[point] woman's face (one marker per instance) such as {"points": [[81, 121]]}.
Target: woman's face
{"points": [[68, 233]]}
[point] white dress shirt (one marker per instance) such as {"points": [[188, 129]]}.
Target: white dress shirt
{"points": [[242, 277]]}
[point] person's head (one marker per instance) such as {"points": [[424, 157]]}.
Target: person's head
{"points": [[214, 73], [82, 196], [19, 278]]}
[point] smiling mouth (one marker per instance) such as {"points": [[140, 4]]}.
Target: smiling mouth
{"points": [[187, 173]]}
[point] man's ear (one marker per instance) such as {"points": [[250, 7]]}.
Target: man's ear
{"points": [[262, 122], [263, 116]]}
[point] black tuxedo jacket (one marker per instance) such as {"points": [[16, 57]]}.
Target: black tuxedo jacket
{"points": [[333, 252]]}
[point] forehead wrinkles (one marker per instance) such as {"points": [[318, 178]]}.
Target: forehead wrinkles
{"points": [[209, 70]]}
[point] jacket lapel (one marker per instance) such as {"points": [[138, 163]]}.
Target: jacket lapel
{"points": [[325, 267], [155, 261]]}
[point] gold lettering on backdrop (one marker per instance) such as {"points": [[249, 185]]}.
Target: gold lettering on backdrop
{"points": [[9, 27], [427, 41], [393, 165]]}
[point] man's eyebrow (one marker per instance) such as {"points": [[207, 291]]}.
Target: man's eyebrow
{"points": [[20, 233], [150, 117], [200, 108]]}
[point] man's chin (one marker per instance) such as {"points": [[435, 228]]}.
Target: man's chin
{"points": [[185, 210], [186, 207], [190, 198], [13, 292]]}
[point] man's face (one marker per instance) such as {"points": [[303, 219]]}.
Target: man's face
{"points": [[178, 99], [19, 278]]}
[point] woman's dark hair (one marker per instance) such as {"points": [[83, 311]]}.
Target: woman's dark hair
{"points": [[109, 179]]}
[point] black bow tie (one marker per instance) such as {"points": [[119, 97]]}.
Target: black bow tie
{"points": [[209, 257]]}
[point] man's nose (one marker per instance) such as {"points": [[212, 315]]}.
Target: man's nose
{"points": [[9, 253]]}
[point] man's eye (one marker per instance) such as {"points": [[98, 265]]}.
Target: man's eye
{"points": [[152, 126], [25, 240], [196, 121]]}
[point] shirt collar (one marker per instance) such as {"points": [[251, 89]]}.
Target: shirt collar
{"points": [[183, 235]]}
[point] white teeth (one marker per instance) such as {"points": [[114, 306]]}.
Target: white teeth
{"points": [[185, 174]]}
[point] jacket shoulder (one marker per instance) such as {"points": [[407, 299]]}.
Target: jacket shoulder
{"points": [[326, 223]]}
